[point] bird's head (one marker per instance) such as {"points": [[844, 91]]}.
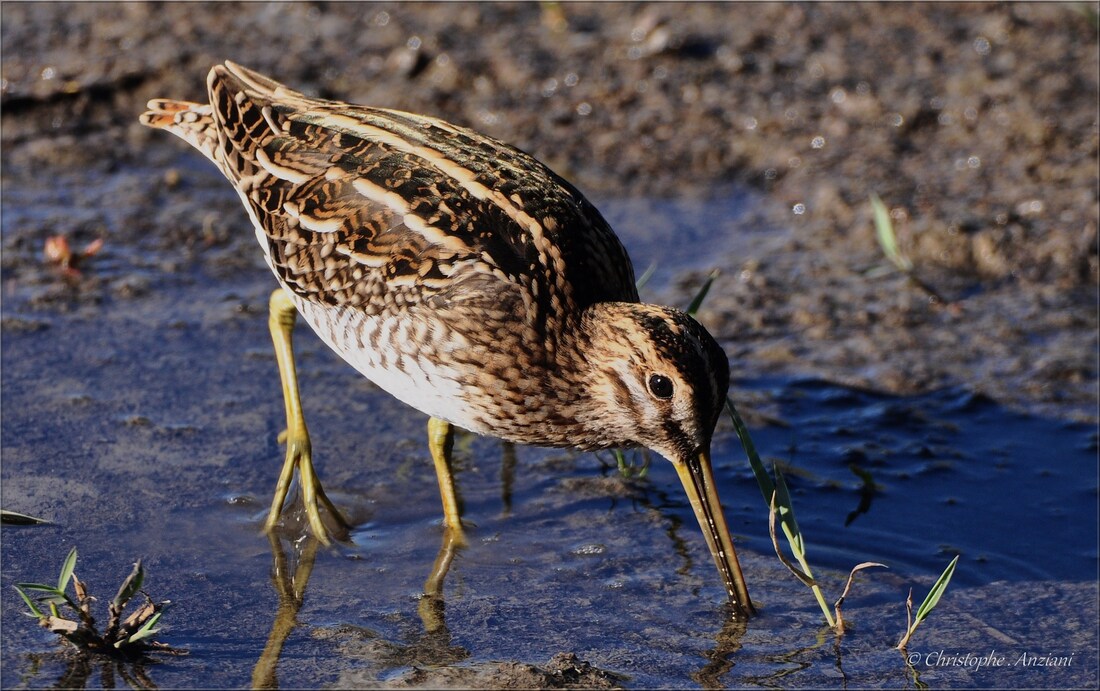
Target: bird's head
{"points": [[660, 378], [657, 379]]}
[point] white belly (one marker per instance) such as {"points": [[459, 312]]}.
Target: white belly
{"points": [[397, 366]]}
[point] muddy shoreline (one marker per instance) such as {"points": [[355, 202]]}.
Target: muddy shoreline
{"points": [[980, 135]]}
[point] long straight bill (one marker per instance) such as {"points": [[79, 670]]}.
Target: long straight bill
{"points": [[698, 480]]}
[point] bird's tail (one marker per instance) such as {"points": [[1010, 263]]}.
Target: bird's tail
{"points": [[242, 99], [191, 122]]}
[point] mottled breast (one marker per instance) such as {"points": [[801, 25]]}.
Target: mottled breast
{"points": [[431, 257]]}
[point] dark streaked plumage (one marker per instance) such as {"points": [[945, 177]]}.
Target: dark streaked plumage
{"points": [[461, 275]]}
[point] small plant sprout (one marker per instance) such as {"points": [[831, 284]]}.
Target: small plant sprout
{"points": [[848, 586], [888, 241], [887, 238], [632, 468], [926, 607], [780, 505], [646, 275], [130, 637], [697, 301]]}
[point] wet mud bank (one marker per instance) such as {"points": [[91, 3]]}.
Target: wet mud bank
{"points": [[976, 124]]}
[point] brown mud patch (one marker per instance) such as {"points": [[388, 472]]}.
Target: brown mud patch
{"points": [[977, 124]]}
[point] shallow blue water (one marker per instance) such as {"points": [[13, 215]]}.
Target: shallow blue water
{"points": [[145, 427]]}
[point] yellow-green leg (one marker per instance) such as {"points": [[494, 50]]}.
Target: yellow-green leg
{"points": [[441, 438], [281, 316]]}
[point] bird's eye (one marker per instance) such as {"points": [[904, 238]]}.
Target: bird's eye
{"points": [[660, 386]]}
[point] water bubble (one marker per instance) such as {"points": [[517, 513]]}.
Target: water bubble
{"points": [[571, 79], [974, 162], [488, 117], [382, 18], [48, 73], [750, 123], [660, 72], [897, 119], [981, 45], [794, 162], [770, 174], [863, 88], [838, 95], [971, 113], [817, 142], [593, 549], [584, 108], [413, 43], [549, 87], [799, 209], [1031, 207]]}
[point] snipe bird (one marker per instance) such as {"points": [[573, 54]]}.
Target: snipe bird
{"points": [[463, 277]]}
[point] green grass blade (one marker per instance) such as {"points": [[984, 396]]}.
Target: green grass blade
{"points": [[786, 516], [887, 239], [52, 595], [783, 506], [67, 570], [620, 460], [13, 518], [646, 275], [763, 480], [697, 301], [936, 592], [35, 612], [129, 587], [930, 602], [145, 631]]}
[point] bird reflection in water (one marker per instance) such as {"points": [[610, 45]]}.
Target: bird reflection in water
{"points": [[433, 647]]}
